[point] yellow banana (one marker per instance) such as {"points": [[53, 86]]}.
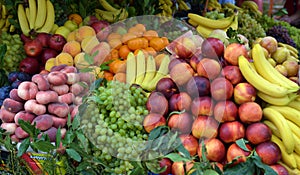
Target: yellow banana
{"points": [[292, 171], [23, 20], [168, 2], [258, 81], [267, 71], [12, 28], [112, 16], [41, 14], [7, 23], [2, 23], [272, 127], [293, 58], [204, 31], [295, 129], [297, 158], [232, 6], [130, 68], [32, 13], [295, 104], [167, 9], [280, 101], [107, 6], [211, 23], [291, 48], [287, 158], [288, 113], [150, 72], [140, 67], [48, 25], [282, 126], [3, 12], [183, 5], [193, 23], [27, 12]]}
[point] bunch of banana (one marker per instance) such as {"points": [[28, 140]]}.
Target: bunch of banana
{"points": [[182, 5], [5, 25], [284, 122], [272, 86], [142, 70], [252, 6], [110, 14], [38, 16], [294, 53], [205, 26], [214, 5]]}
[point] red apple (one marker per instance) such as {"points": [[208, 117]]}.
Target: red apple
{"points": [[269, 152], [225, 111], [233, 51], [29, 65], [215, 149], [234, 152], [33, 48], [205, 127], [180, 101], [202, 106], [209, 68], [221, 89], [244, 92], [43, 38], [233, 74], [167, 87], [257, 133], [47, 54], [152, 121], [165, 162], [99, 25], [190, 143], [181, 122], [212, 48], [279, 169], [184, 47], [250, 112], [231, 131], [57, 42]]}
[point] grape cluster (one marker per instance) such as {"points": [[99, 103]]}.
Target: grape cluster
{"points": [[214, 14], [15, 78], [15, 51], [113, 121], [281, 34]]}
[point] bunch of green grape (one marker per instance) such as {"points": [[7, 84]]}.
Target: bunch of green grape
{"points": [[15, 51], [113, 121], [214, 14]]}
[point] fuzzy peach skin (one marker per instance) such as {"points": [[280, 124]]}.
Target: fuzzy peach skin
{"points": [[12, 105], [41, 82], [59, 109], [33, 106], [57, 78], [27, 90], [23, 115], [43, 122], [6, 116], [60, 89], [45, 97]]}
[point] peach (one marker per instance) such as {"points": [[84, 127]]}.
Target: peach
{"points": [[43, 122], [281, 69], [184, 47], [9, 127], [72, 47], [198, 86], [269, 152], [59, 122], [202, 106], [215, 149], [69, 69], [74, 112], [87, 77], [165, 162], [233, 51], [291, 67], [178, 168], [27, 90], [63, 132], [60, 89], [13, 94], [84, 32], [250, 112], [225, 111], [14, 138], [234, 152], [78, 88], [6, 116], [51, 132], [78, 100], [20, 133], [88, 43], [45, 97], [221, 89], [152, 121], [231, 131], [33, 106], [72, 78], [57, 78], [154, 99], [257, 133], [66, 98], [23, 115], [101, 52], [190, 143], [205, 127], [244, 92], [233, 74], [181, 73], [58, 67], [181, 122], [12, 105], [269, 43], [279, 169], [41, 81], [180, 101], [208, 68], [58, 109], [80, 62]]}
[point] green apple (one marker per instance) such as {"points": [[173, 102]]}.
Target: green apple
{"points": [[71, 25], [62, 30]]}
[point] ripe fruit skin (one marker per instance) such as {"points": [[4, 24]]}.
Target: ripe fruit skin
{"points": [[257, 133], [269, 152], [235, 151], [190, 143], [215, 149], [231, 131]]}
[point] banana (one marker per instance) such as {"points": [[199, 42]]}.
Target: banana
{"points": [[272, 127], [2, 23], [150, 71], [27, 12], [12, 28], [3, 12], [283, 128], [295, 104], [131, 68], [231, 6], [287, 158], [48, 25], [293, 58], [292, 171], [183, 5], [193, 23], [23, 20], [140, 67], [280, 101], [295, 129], [112, 16], [204, 31], [167, 9], [41, 14], [288, 113], [258, 81], [168, 2], [210, 23], [7, 23], [291, 48], [267, 71], [297, 144], [249, 3], [32, 13], [297, 158], [107, 6]]}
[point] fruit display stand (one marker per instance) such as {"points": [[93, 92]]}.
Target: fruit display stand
{"points": [[130, 91]]}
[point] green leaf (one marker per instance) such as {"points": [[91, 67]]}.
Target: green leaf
{"points": [[154, 167], [157, 132], [242, 144], [8, 143], [210, 172], [69, 137], [44, 146], [27, 127], [173, 140], [58, 138], [23, 146], [175, 157], [73, 154], [182, 150], [96, 84], [75, 123], [266, 168]]}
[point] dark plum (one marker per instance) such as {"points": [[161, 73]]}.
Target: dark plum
{"points": [[198, 86], [167, 87]]}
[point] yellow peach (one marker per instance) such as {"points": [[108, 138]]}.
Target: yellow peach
{"points": [[72, 47], [88, 43], [80, 62], [50, 63], [64, 58], [83, 32], [72, 36]]}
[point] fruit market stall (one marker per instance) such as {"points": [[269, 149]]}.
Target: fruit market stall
{"points": [[147, 87]]}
